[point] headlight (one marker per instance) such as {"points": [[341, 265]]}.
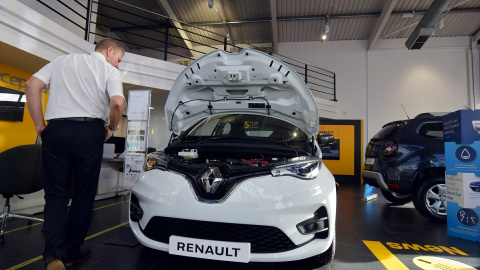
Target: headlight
{"points": [[304, 168], [156, 160]]}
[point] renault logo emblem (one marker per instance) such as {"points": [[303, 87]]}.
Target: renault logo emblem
{"points": [[211, 179]]}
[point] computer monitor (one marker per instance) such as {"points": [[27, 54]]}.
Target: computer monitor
{"points": [[119, 143]]}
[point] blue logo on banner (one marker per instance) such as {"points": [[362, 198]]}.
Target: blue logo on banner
{"points": [[467, 217], [465, 154]]}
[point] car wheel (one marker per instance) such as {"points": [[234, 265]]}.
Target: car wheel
{"points": [[430, 199], [395, 197], [323, 258]]}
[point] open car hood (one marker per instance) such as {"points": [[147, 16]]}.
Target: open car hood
{"points": [[249, 82]]}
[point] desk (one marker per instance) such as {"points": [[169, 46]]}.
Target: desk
{"points": [[110, 176]]}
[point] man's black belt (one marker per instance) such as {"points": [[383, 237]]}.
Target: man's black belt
{"points": [[81, 119]]}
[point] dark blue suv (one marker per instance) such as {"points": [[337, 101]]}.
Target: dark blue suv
{"points": [[406, 160]]}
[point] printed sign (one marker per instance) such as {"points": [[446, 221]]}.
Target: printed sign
{"points": [[462, 158], [462, 126], [133, 166], [209, 249]]}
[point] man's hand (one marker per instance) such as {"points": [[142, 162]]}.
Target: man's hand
{"points": [[108, 133]]}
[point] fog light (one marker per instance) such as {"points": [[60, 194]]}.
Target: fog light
{"points": [[313, 225], [318, 224], [136, 212]]}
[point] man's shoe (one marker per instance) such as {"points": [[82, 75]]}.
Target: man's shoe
{"points": [[82, 255], [55, 265]]}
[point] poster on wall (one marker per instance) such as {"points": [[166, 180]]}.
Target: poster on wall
{"points": [[133, 166]]}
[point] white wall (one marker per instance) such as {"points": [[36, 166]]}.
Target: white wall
{"points": [[433, 79], [347, 59], [372, 85]]}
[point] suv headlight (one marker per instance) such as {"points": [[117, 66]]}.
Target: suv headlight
{"points": [[156, 160], [303, 168]]}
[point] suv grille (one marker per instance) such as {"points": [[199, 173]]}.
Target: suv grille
{"points": [[262, 239]]}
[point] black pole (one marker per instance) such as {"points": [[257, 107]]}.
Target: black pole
{"points": [[306, 68], [166, 43], [334, 87], [225, 44], [88, 19]]}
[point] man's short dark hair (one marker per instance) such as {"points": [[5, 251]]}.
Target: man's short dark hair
{"points": [[105, 43]]}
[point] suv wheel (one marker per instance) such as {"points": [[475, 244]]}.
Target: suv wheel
{"points": [[430, 198], [395, 197]]}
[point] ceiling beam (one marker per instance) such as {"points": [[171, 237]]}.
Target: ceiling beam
{"points": [[332, 16], [476, 37], [174, 20], [274, 25], [388, 7]]}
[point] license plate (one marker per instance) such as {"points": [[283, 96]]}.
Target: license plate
{"points": [[209, 249], [369, 161]]}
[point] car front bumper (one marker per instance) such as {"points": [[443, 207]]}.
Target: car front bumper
{"points": [[280, 202]]}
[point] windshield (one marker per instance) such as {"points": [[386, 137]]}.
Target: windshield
{"points": [[245, 126]]}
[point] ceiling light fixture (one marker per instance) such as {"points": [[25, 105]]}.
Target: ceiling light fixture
{"points": [[210, 3], [440, 23], [408, 14], [326, 28]]}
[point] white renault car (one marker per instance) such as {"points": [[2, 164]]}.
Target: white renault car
{"points": [[242, 177]]}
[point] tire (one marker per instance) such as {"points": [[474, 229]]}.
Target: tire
{"points": [[430, 199], [323, 258], [396, 198]]}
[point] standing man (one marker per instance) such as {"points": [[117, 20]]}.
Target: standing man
{"points": [[85, 106]]}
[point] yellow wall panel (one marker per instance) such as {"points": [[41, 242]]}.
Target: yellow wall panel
{"points": [[344, 133], [13, 133], [344, 157]]}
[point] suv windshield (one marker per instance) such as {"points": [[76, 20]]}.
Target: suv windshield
{"points": [[245, 126]]}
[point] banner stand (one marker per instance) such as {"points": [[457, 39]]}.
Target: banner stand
{"points": [[136, 141]]}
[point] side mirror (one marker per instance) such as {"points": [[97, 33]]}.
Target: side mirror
{"points": [[324, 139]]}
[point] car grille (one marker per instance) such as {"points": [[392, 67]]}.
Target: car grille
{"points": [[262, 239]]}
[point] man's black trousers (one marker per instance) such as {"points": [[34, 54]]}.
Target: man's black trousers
{"points": [[72, 157]]}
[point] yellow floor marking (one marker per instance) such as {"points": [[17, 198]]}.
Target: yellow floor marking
{"points": [[26, 263], [18, 229], [385, 256], [108, 205], [36, 224], [107, 230], [86, 238]]}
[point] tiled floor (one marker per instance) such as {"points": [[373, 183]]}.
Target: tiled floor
{"points": [[398, 229]]}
